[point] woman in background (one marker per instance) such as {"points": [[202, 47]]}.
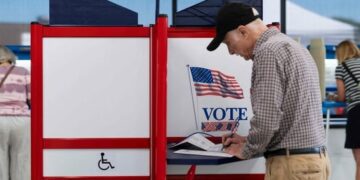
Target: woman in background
{"points": [[347, 81], [14, 118]]}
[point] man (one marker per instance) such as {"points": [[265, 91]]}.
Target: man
{"points": [[287, 123]]}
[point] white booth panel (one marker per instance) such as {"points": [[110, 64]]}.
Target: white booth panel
{"points": [[271, 11], [192, 51], [80, 162], [96, 87]]}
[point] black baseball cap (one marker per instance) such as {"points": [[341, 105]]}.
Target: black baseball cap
{"points": [[229, 17]]}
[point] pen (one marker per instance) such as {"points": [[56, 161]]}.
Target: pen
{"points": [[233, 131]]}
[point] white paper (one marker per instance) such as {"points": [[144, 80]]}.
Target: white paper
{"points": [[203, 153], [216, 148], [201, 141]]}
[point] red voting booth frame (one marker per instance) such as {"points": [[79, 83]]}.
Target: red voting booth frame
{"points": [[156, 143]]}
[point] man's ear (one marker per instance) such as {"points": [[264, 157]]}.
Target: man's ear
{"points": [[242, 30]]}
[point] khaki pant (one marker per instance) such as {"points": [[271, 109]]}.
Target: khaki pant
{"points": [[298, 167], [14, 148]]}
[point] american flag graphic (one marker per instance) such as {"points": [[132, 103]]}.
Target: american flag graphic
{"points": [[209, 82], [217, 126]]}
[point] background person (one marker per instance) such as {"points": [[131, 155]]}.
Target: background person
{"points": [[347, 76], [14, 119]]}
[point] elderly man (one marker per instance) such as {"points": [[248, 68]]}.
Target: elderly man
{"points": [[287, 123]]}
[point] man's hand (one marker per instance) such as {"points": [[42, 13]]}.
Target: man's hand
{"points": [[233, 144]]}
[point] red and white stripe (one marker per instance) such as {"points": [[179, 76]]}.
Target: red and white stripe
{"points": [[224, 86]]}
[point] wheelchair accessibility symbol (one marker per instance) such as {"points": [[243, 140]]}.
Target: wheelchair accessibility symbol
{"points": [[103, 164]]}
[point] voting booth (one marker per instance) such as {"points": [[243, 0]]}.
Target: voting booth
{"points": [[94, 111], [214, 114], [107, 100]]}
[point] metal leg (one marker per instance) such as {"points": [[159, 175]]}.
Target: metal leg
{"points": [[191, 173], [327, 125]]}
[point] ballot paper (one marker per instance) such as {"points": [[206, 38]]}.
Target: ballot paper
{"points": [[203, 153], [197, 144]]}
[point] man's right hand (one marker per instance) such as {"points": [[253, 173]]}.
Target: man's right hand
{"points": [[233, 144], [228, 139]]}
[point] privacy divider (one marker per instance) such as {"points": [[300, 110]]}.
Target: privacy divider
{"points": [[98, 97]]}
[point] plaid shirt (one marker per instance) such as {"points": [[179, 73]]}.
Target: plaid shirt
{"points": [[285, 97]]}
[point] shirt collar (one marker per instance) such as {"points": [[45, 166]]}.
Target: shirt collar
{"points": [[263, 38]]}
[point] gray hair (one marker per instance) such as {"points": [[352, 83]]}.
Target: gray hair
{"points": [[7, 55]]}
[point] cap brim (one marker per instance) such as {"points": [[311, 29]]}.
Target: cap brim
{"points": [[215, 43]]}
